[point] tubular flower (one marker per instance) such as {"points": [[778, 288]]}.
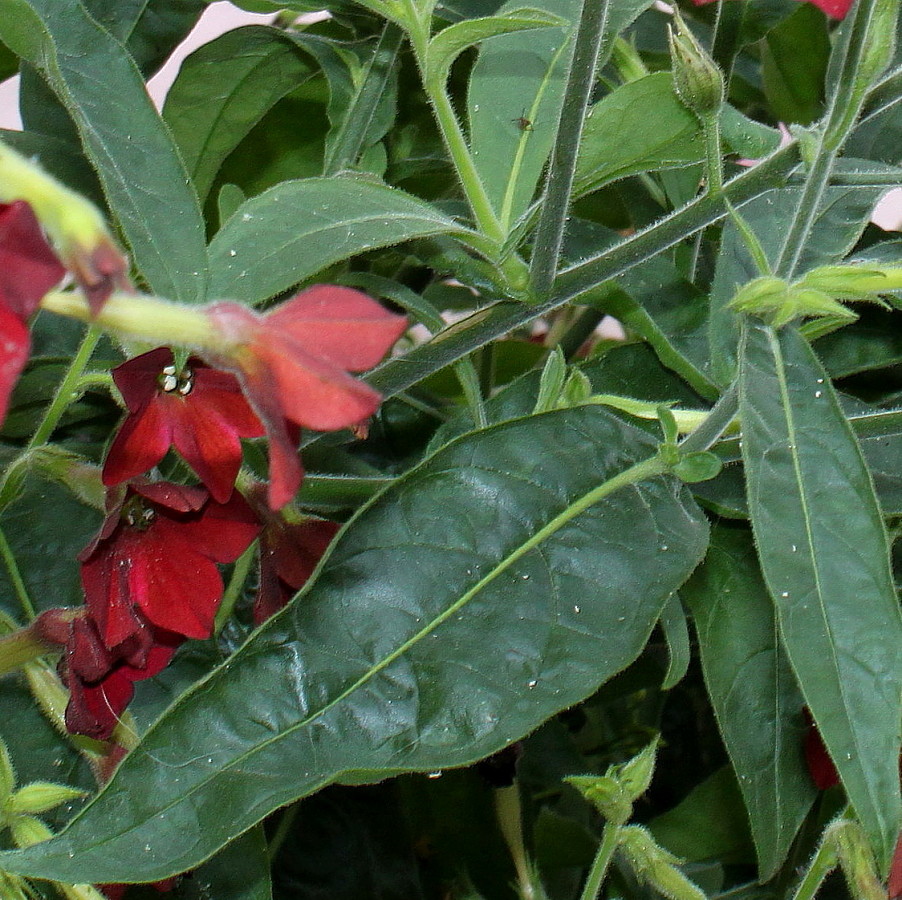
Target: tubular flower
{"points": [[198, 410], [288, 555], [101, 681], [156, 555], [293, 366], [28, 269], [835, 9]]}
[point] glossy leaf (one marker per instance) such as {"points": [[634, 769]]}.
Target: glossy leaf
{"points": [[141, 173], [290, 232], [753, 690], [224, 88], [825, 559], [497, 583]]}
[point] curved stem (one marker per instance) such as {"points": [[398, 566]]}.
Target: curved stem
{"points": [[602, 860], [15, 576]]}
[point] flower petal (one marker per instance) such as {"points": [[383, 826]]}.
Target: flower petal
{"points": [[15, 345], [338, 325], [141, 442]]}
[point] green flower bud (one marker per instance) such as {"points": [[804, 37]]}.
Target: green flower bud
{"points": [[695, 467], [41, 796], [697, 80], [28, 830], [606, 794], [856, 860], [576, 390], [655, 866], [7, 773], [635, 774]]}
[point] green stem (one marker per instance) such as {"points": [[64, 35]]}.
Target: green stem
{"points": [[349, 142], [549, 236], [468, 378], [510, 821], [824, 862], [713, 154], [67, 392], [15, 576], [233, 590], [606, 848]]}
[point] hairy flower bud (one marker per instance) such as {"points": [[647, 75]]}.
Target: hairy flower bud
{"points": [[697, 80]]}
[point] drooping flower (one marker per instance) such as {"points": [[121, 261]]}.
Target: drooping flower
{"points": [[289, 553], [28, 269], [198, 410], [156, 554], [835, 9], [293, 365], [101, 681]]}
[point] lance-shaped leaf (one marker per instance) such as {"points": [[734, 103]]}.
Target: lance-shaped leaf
{"points": [[142, 176], [499, 582], [290, 232], [824, 554], [753, 691]]}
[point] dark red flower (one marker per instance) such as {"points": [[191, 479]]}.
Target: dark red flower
{"points": [[836, 9], [198, 410], [288, 555], [28, 269], [101, 680], [156, 554], [820, 766], [117, 891], [293, 366]]}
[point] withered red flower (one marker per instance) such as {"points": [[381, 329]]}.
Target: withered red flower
{"points": [[289, 553], [28, 269], [198, 410], [156, 553], [118, 891], [835, 9], [101, 681], [293, 365]]}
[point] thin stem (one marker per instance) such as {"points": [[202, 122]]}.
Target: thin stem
{"points": [[468, 378], [599, 869], [348, 144], [821, 866], [233, 589], [510, 821], [713, 154], [552, 223], [66, 392], [15, 576]]}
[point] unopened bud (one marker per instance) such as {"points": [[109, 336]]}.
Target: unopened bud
{"points": [[635, 774], [27, 830], [606, 795], [853, 282], [856, 860], [777, 302], [697, 80], [653, 865], [41, 796]]}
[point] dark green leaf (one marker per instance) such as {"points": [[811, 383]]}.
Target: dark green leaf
{"points": [[141, 173], [497, 583], [240, 871], [825, 559], [224, 88], [708, 824], [794, 61], [753, 691], [676, 630], [268, 246], [638, 127]]}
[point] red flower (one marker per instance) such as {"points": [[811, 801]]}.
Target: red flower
{"points": [[293, 363], [117, 891], [820, 766], [156, 554], [28, 269], [198, 410], [836, 9], [288, 555], [101, 681]]}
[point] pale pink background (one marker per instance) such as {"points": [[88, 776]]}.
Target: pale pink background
{"points": [[223, 16]]}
